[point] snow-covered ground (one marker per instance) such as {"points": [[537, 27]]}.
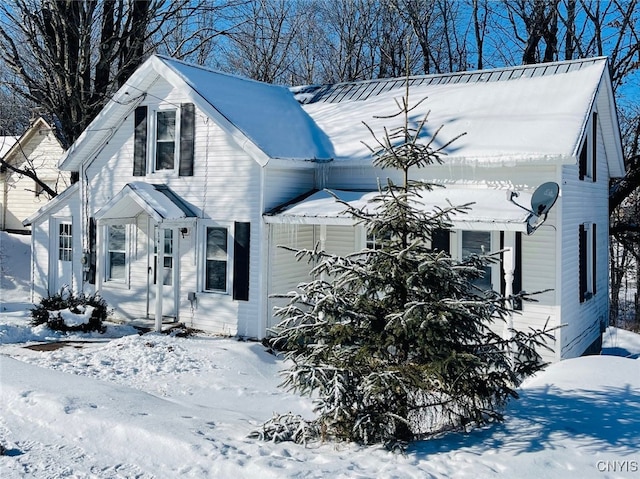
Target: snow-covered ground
{"points": [[124, 405]]}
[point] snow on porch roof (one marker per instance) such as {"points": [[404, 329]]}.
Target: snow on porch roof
{"points": [[491, 209], [158, 201]]}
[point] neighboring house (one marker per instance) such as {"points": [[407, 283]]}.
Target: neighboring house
{"points": [[39, 150], [190, 179]]}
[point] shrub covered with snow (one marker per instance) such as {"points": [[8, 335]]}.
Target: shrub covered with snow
{"points": [[65, 311]]}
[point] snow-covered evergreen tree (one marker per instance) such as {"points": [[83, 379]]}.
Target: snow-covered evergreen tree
{"points": [[394, 343]]}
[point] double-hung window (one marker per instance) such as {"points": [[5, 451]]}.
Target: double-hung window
{"points": [[216, 259], [376, 242], [478, 243], [116, 253], [165, 140]]}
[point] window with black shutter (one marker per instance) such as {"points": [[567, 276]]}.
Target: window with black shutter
{"points": [[164, 141]]}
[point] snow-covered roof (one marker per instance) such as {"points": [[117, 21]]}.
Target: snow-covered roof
{"points": [[158, 201], [531, 113], [265, 120], [267, 114], [489, 209], [16, 147]]}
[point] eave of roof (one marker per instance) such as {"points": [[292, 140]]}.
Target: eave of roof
{"points": [[489, 209], [52, 204], [157, 201]]}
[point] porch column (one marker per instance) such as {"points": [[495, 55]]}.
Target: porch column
{"points": [[159, 278], [508, 266]]}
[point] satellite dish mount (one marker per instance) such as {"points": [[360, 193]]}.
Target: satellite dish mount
{"points": [[542, 200]]}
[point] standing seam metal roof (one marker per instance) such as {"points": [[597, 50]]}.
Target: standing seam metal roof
{"points": [[364, 89]]}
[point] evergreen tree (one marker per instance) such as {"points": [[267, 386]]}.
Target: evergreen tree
{"points": [[395, 343]]}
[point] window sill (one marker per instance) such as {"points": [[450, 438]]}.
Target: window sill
{"points": [[111, 283]]}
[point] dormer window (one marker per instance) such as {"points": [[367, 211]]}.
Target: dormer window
{"points": [[164, 141], [588, 152]]}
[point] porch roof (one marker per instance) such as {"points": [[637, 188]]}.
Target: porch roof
{"points": [[157, 201], [490, 209]]}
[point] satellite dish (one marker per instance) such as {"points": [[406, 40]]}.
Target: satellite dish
{"points": [[542, 201], [544, 198]]}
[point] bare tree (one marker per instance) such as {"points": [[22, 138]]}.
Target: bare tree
{"points": [[480, 13], [71, 56], [195, 31], [350, 46], [262, 45], [395, 42], [540, 20]]}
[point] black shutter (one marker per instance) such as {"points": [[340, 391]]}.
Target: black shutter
{"points": [[582, 166], [241, 235], [593, 257], [517, 273], [582, 267], [91, 274], [440, 240], [187, 134], [140, 142]]}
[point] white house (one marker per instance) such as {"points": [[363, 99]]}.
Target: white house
{"points": [[39, 150], [190, 179]]}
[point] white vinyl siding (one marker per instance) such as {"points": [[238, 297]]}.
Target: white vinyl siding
{"points": [[583, 202]]}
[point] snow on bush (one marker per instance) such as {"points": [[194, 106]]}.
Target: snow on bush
{"points": [[66, 311]]}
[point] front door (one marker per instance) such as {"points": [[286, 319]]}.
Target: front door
{"points": [[62, 257], [165, 274]]}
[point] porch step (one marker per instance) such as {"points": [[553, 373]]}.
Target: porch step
{"points": [[145, 325]]}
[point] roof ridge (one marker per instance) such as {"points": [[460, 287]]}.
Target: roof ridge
{"points": [[363, 89], [168, 60]]}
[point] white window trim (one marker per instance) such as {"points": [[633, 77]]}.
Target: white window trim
{"points": [[202, 250], [127, 252], [152, 143]]}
